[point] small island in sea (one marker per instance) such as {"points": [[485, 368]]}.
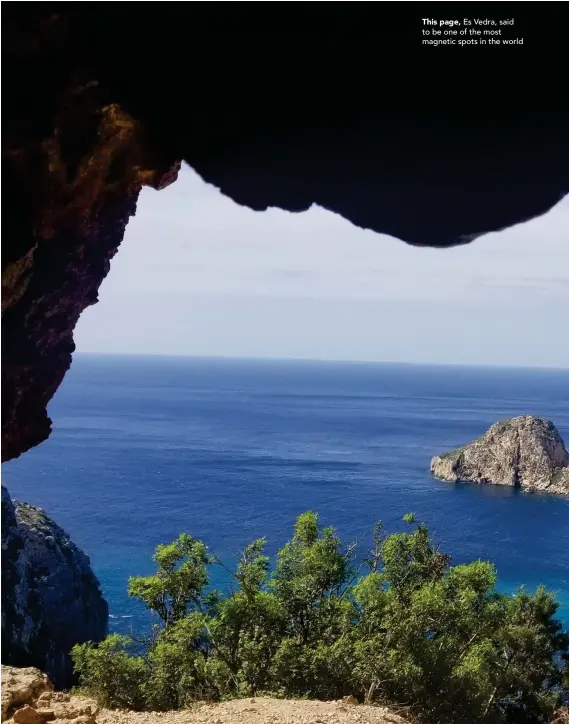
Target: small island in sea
{"points": [[526, 452]]}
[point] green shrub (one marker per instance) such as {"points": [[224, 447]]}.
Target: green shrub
{"points": [[410, 631], [110, 674]]}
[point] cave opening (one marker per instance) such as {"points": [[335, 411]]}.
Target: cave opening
{"points": [[233, 347]]}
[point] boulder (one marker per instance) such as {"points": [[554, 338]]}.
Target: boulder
{"points": [[28, 698], [22, 686], [27, 715]]}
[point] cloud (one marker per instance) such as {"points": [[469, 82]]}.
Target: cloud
{"points": [[189, 246]]}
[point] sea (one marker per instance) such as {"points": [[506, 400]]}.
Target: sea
{"points": [[227, 450]]}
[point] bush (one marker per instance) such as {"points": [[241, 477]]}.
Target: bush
{"points": [[111, 675], [405, 628]]}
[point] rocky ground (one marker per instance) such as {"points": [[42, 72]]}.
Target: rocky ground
{"points": [[262, 711], [28, 697]]}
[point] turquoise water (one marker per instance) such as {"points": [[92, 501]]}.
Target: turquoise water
{"points": [[146, 447]]}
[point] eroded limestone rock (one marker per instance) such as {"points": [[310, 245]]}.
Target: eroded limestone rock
{"points": [[28, 697], [22, 686], [51, 598], [526, 452]]}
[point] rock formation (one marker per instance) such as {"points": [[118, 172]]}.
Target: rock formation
{"points": [[89, 187], [28, 697], [50, 596], [21, 687], [526, 452]]}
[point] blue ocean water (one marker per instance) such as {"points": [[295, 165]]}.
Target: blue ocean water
{"points": [[144, 448]]}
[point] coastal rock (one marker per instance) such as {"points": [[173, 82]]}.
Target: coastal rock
{"points": [[28, 698], [51, 599], [526, 452]]}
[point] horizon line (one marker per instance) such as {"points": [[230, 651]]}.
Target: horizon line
{"points": [[252, 358]]}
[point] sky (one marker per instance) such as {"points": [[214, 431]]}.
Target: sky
{"points": [[200, 275]]}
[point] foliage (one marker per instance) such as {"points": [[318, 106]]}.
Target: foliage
{"points": [[110, 673], [405, 628], [178, 583]]}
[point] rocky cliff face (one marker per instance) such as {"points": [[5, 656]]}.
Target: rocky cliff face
{"points": [[51, 598], [526, 452], [87, 186]]}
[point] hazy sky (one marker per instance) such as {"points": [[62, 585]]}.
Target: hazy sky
{"points": [[199, 275]]}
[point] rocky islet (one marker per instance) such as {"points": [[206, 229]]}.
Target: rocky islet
{"points": [[526, 452]]}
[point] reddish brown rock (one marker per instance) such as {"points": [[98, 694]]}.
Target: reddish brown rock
{"points": [[27, 715], [86, 172]]}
